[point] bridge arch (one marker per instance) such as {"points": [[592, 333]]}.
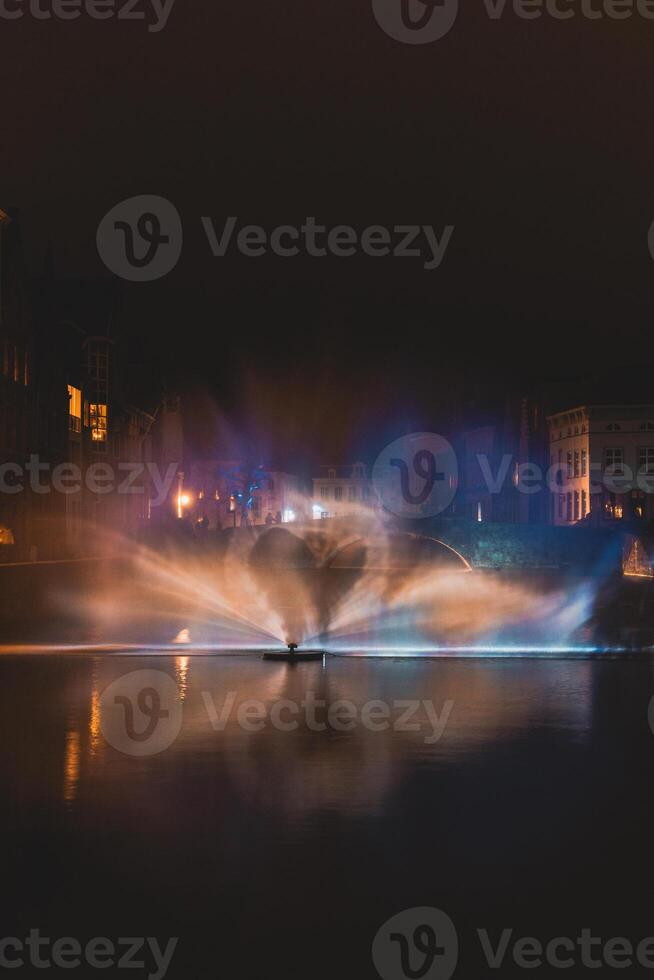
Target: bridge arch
{"points": [[395, 551]]}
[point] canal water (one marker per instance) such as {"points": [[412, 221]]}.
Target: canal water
{"points": [[275, 839]]}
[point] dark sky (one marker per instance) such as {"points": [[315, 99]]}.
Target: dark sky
{"points": [[533, 138]]}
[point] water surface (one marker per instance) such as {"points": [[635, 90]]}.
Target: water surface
{"points": [[280, 853]]}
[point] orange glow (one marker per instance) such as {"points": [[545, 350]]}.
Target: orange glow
{"points": [[71, 766]]}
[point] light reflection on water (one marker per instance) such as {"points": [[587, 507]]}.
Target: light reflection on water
{"points": [[304, 771], [534, 807]]}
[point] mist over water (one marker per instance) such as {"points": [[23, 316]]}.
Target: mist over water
{"points": [[365, 590]]}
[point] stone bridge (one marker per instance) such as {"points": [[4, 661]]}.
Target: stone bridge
{"points": [[581, 550]]}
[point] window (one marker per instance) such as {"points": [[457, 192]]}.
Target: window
{"points": [[74, 409], [584, 503], [613, 427], [613, 459], [17, 372], [577, 462], [358, 472], [87, 420], [26, 369], [351, 493], [647, 427], [324, 493], [577, 511], [338, 493], [98, 414], [331, 474], [568, 515], [646, 459], [561, 505], [569, 462], [584, 462]]}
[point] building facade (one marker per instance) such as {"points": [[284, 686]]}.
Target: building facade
{"points": [[343, 491], [17, 394], [602, 464]]}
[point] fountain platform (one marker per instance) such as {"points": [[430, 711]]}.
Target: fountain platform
{"points": [[293, 656]]}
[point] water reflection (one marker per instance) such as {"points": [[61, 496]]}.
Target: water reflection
{"points": [[71, 765], [318, 767]]}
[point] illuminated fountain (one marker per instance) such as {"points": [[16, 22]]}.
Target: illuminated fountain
{"points": [[359, 590], [345, 588]]}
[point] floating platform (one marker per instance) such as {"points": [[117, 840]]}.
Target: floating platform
{"points": [[293, 656]]}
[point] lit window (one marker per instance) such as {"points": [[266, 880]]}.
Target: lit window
{"points": [[74, 409], [98, 416]]}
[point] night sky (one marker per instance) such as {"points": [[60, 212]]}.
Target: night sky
{"points": [[532, 137]]}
